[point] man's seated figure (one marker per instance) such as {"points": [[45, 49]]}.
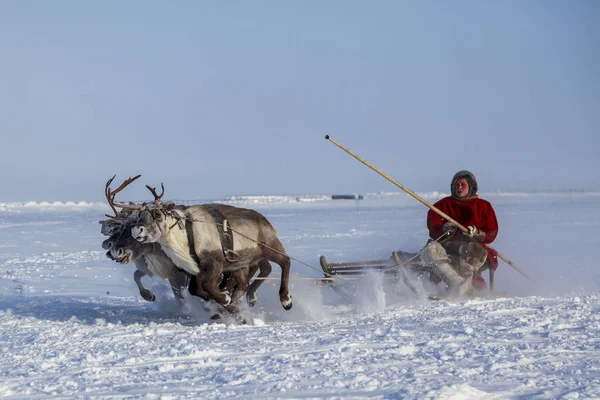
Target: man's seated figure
{"points": [[457, 258]]}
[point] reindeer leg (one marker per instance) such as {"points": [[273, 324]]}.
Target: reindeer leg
{"points": [[210, 283], [265, 270], [241, 277], [228, 283], [284, 262], [252, 270], [178, 281], [145, 293], [195, 288]]}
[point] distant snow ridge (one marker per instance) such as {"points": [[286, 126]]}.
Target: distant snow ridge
{"points": [[45, 205], [387, 195], [562, 193], [393, 197], [501, 193], [270, 199], [282, 199]]}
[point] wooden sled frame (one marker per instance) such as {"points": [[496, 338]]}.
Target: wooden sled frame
{"points": [[388, 266], [359, 268]]}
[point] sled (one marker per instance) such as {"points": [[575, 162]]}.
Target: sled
{"points": [[356, 269], [394, 267]]}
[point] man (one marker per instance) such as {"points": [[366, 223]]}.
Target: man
{"points": [[457, 257]]}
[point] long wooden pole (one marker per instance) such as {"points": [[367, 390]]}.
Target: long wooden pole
{"points": [[423, 201]]}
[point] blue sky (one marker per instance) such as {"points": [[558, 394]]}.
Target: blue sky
{"points": [[226, 98]]}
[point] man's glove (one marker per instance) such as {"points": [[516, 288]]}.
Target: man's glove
{"points": [[449, 228], [475, 233]]}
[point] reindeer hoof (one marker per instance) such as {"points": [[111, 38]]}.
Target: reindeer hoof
{"points": [[251, 298], [287, 303], [148, 296], [227, 300], [215, 317]]}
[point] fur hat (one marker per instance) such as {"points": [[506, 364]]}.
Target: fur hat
{"points": [[470, 178]]}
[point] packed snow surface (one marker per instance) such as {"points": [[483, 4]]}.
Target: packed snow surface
{"points": [[73, 325]]}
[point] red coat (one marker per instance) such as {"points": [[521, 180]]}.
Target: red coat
{"points": [[470, 211]]}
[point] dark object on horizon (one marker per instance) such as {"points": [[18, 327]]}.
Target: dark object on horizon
{"points": [[346, 197]]}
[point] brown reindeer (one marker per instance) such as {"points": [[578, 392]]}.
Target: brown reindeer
{"points": [[151, 260], [192, 238]]}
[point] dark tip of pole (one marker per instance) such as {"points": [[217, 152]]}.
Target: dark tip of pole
{"points": [[327, 137]]}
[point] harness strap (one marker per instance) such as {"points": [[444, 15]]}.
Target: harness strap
{"points": [[190, 236], [225, 234]]}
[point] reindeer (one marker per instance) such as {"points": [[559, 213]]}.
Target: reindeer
{"points": [[151, 260], [192, 237]]}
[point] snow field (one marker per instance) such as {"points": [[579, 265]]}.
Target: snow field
{"points": [[72, 324]]}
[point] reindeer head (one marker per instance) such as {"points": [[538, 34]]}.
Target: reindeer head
{"points": [[123, 248], [110, 227], [155, 221], [147, 227], [115, 227]]}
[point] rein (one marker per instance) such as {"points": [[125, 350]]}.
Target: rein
{"points": [[329, 276], [185, 222]]}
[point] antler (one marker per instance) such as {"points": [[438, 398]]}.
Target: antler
{"points": [[153, 191], [110, 194]]}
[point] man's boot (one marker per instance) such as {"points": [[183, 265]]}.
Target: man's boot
{"points": [[457, 285]]}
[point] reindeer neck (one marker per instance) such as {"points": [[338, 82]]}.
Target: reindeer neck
{"points": [[159, 264], [175, 244]]}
